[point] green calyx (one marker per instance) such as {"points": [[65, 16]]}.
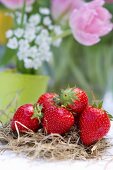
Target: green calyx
{"points": [[98, 104], [110, 116], [68, 96], [57, 100], [37, 111]]}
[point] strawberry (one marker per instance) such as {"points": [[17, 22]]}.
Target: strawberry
{"points": [[94, 124], [74, 99], [46, 100], [27, 115], [57, 120]]}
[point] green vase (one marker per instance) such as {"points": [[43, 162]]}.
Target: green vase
{"points": [[18, 89]]}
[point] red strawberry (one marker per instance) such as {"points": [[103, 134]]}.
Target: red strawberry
{"points": [[57, 120], [28, 116], [94, 124], [74, 99], [46, 100]]}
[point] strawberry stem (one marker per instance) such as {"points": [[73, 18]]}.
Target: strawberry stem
{"points": [[67, 96], [37, 111], [97, 104], [57, 101]]}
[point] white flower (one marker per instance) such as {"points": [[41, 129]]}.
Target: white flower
{"points": [[38, 39], [46, 54], [45, 32], [38, 29], [44, 11], [22, 54], [47, 21], [35, 19], [19, 18], [33, 51], [23, 44], [19, 32], [29, 8], [58, 30], [37, 63], [43, 37], [9, 34], [57, 43], [35, 39], [30, 34], [45, 46], [23, 50], [51, 27], [12, 43], [28, 63]]}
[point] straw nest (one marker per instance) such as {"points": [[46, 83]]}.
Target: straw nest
{"points": [[50, 147]]}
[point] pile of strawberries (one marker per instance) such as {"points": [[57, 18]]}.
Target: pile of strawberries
{"points": [[58, 113]]}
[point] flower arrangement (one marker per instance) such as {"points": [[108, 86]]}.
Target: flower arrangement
{"points": [[77, 37], [34, 34], [33, 38]]}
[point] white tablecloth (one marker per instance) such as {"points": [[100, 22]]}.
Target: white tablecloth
{"points": [[11, 161]]}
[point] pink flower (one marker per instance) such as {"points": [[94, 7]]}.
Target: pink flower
{"points": [[14, 4], [64, 7], [109, 1], [90, 22]]}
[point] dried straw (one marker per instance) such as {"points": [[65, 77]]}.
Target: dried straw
{"points": [[50, 147]]}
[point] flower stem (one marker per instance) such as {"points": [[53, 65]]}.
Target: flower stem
{"points": [[23, 12], [64, 34]]}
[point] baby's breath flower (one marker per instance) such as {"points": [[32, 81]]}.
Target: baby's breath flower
{"points": [[33, 52], [19, 18], [18, 32], [9, 34], [43, 37], [44, 11], [29, 8], [37, 63], [23, 44], [34, 40], [29, 34], [35, 19], [12, 43], [57, 42], [51, 27], [38, 29], [22, 54], [28, 63], [58, 30], [47, 21]]}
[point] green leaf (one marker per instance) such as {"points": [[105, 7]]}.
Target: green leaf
{"points": [[100, 104], [97, 104], [110, 116]]}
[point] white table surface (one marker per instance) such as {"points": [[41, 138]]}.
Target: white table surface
{"points": [[11, 161]]}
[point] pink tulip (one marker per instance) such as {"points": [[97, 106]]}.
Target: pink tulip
{"points": [[14, 4], [90, 22], [63, 8]]}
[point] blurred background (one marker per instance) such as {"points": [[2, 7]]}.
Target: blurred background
{"points": [[90, 68]]}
